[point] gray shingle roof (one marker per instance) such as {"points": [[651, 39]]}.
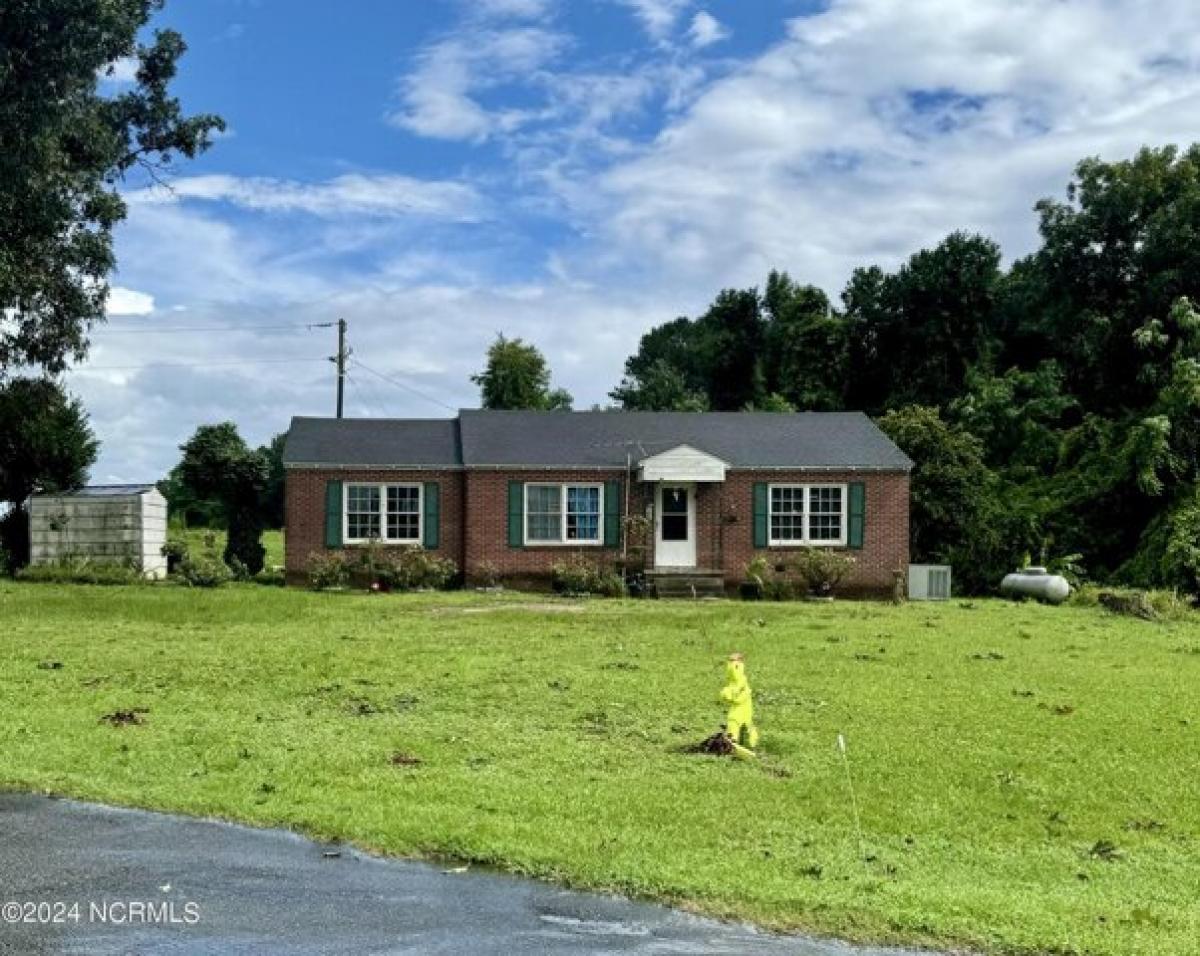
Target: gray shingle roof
{"points": [[829, 440], [372, 441], [741, 439]]}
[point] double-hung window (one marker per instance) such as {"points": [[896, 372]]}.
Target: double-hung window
{"points": [[563, 514], [808, 514], [380, 512]]}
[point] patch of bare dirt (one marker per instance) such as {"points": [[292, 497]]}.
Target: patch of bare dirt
{"points": [[125, 718], [719, 744]]}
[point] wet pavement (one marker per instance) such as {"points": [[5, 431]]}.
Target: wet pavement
{"points": [[153, 883]]}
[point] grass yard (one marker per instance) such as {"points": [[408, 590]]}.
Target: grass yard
{"points": [[272, 542], [1026, 775]]}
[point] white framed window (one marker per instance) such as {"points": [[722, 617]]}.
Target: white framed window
{"points": [[563, 513], [391, 514], [807, 515]]}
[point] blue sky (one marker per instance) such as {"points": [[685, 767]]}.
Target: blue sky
{"points": [[575, 172]]}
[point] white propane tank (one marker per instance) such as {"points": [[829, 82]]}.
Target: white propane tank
{"points": [[1036, 583]]}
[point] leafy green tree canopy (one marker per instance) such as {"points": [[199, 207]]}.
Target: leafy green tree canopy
{"points": [[67, 148], [517, 376], [218, 464], [46, 445]]}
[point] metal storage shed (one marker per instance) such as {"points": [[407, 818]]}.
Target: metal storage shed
{"points": [[124, 524]]}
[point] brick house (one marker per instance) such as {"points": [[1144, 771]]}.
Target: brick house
{"points": [[518, 491]]}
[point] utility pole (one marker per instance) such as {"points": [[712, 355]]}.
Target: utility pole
{"points": [[340, 361]]}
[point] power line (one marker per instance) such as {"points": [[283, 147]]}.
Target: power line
{"points": [[368, 388], [129, 330], [358, 389], [110, 368], [400, 384]]}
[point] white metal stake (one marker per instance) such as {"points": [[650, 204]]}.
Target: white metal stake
{"points": [[862, 849]]}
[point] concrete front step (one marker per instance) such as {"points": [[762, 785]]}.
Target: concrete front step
{"points": [[687, 584]]}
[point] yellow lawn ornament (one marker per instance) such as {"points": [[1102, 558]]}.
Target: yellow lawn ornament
{"points": [[739, 722]]}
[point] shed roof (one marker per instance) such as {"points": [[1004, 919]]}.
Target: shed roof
{"points": [[482, 439], [100, 491]]}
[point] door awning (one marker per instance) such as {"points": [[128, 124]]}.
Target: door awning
{"points": [[682, 463]]}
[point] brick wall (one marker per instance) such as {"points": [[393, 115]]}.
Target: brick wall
{"points": [[487, 530], [885, 529], [474, 521], [304, 516]]}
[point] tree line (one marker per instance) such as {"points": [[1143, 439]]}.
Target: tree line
{"points": [[1052, 407]]}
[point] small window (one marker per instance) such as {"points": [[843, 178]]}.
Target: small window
{"points": [[787, 513], [404, 513], [543, 513], [825, 513], [808, 514], [387, 513], [362, 512], [563, 514]]}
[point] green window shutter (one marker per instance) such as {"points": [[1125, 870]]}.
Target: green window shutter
{"points": [[333, 514], [760, 514], [612, 514], [857, 514], [516, 514], [431, 532]]}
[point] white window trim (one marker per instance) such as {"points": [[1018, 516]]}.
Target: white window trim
{"points": [[564, 541], [383, 486], [806, 541]]}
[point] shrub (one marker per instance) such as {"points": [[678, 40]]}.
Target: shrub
{"points": [[175, 551], [578, 575], [328, 570], [487, 573], [759, 574], [412, 569], [772, 582], [1068, 566], [75, 570], [238, 569], [822, 569], [204, 570]]}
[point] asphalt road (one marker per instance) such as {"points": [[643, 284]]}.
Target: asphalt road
{"points": [[221, 889]]}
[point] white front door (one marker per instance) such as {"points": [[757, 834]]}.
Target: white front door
{"points": [[675, 527]]}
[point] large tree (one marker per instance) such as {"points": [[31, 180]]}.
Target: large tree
{"points": [[1121, 250], [517, 376], [805, 345], [46, 445], [67, 147], [218, 464], [913, 335]]}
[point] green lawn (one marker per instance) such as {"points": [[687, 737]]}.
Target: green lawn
{"points": [[1026, 775], [272, 541]]}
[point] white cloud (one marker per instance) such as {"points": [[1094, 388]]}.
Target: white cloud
{"points": [[706, 30], [122, 301], [516, 9], [353, 194], [658, 17], [874, 128], [438, 99]]}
